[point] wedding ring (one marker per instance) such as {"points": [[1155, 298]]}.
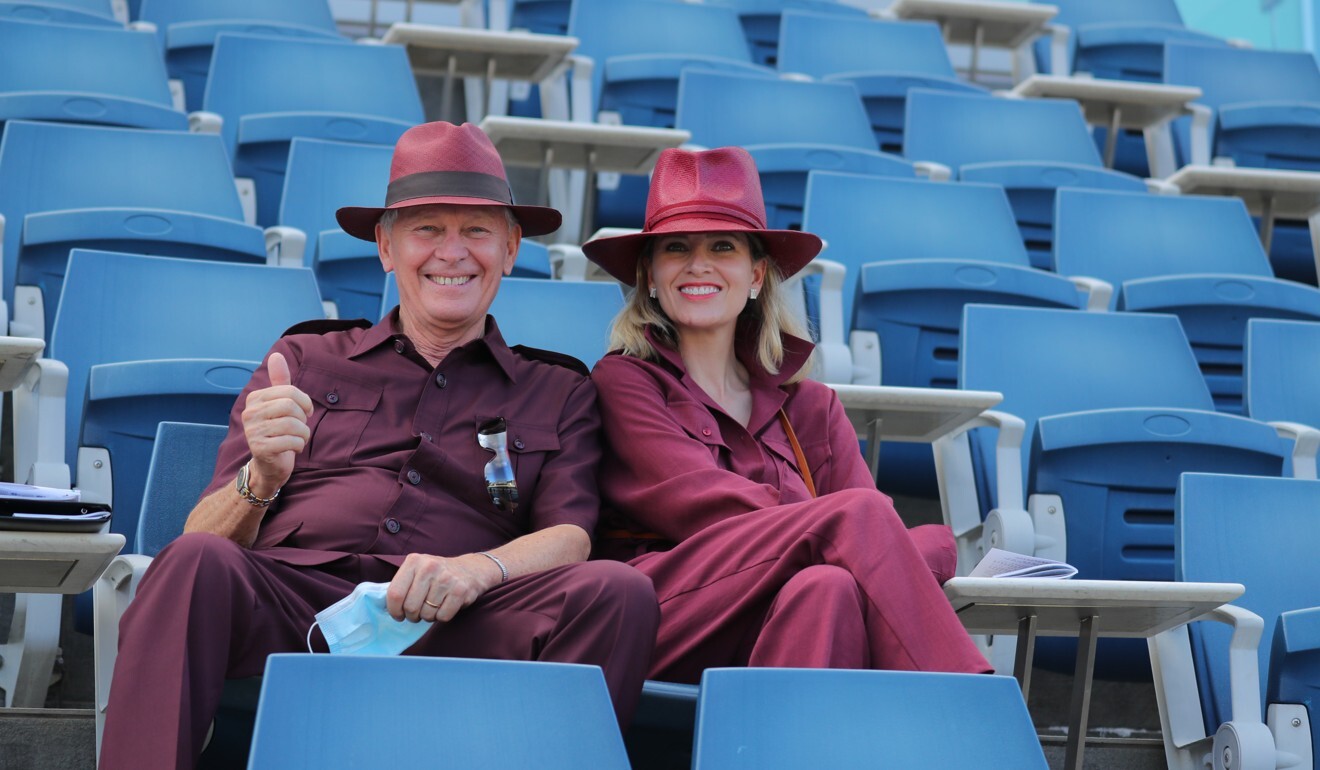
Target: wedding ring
{"points": [[430, 603]]}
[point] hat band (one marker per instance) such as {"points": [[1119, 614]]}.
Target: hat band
{"points": [[705, 210], [462, 184], [743, 222]]}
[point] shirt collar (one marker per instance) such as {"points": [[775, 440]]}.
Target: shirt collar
{"points": [[390, 329], [796, 353]]}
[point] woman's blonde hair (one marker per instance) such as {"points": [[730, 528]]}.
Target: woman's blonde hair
{"points": [[768, 313]]}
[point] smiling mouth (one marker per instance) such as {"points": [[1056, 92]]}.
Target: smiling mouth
{"points": [[449, 280], [698, 291]]}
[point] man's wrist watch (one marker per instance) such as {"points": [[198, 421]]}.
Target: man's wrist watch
{"points": [[241, 484]]}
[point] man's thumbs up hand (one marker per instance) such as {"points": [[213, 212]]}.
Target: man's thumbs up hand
{"points": [[275, 424]]}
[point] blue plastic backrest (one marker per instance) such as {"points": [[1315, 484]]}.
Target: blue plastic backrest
{"points": [[322, 176], [314, 14], [127, 307], [571, 317], [1122, 236], [1261, 532], [607, 28], [561, 717], [1282, 370], [52, 167], [1074, 13], [83, 60], [722, 109], [958, 129], [878, 219], [94, 12], [1228, 75], [1048, 361], [819, 45], [182, 463], [257, 74], [776, 719]]}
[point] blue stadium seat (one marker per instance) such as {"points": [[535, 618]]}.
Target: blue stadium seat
{"points": [[915, 252], [321, 177], [1266, 103], [132, 363], [639, 48], [187, 30], [272, 89], [1032, 147], [86, 12], [1114, 410], [66, 186], [1282, 369], [761, 21], [884, 59], [1265, 113], [182, 463], [1196, 257], [777, 719], [789, 127], [564, 717], [1117, 39], [544, 17], [84, 74], [582, 313], [1271, 552]]}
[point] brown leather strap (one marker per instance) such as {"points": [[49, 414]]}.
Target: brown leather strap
{"points": [[797, 452]]}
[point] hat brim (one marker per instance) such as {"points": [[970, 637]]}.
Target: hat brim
{"points": [[790, 250], [360, 221]]}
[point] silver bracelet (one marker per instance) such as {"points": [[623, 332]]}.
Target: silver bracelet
{"points": [[504, 571]]}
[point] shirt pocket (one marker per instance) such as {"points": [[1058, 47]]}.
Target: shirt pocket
{"points": [[698, 422], [529, 446], [341, 410]]}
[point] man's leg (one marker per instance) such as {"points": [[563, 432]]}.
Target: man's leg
{"points": [[599, 612], [207, 609]]}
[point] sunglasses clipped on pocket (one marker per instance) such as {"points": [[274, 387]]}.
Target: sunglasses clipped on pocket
{"points": [[493, 436]]}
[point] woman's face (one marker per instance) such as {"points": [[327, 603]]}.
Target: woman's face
{"points": [[702, 280]]}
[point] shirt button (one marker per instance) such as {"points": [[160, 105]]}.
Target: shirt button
{"points": [[518, 443], [399, 346], [332, 398], [414, 477], [426, 436], [705, 431], [440, 380], [393, 526]]}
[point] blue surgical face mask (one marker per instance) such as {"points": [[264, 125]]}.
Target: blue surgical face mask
{"points": [[358, 624]]}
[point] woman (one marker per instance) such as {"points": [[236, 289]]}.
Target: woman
{"points": [[729, 478]]}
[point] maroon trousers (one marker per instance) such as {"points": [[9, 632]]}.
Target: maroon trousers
{"points": [[834, 582], [209, 609]]}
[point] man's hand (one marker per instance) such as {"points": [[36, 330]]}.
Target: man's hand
{"points": [[436, 588], [275, 425]]}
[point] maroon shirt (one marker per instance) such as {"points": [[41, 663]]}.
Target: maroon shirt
{"points": [[677, 463], [393, 466]]}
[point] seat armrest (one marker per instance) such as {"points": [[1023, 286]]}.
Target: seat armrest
{"points": [[110, 595], [568, 263], [285, 246], [957, 481], [1059, 35], [39, 415], [1099, 293], [935, 172], [202, 122], [29, 312], [1306, 443], [1161, 187], [1202, 126], [835, 363], [580, 75]]}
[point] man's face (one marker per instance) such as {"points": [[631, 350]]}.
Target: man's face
{"points": [[447, 261]]}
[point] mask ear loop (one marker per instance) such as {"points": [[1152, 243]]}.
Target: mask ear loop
{"points": [[311, 628]]}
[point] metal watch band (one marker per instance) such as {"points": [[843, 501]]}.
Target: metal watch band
{"points": [[241, 484]]}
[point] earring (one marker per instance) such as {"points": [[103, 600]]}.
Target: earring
{"points": [[752, 294], [652, 292]]}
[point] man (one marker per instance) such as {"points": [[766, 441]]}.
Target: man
{"points": [[353, 456]]}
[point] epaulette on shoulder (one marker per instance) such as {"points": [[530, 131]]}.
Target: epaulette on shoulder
{"points": [[551, 357], [327, 325]]}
